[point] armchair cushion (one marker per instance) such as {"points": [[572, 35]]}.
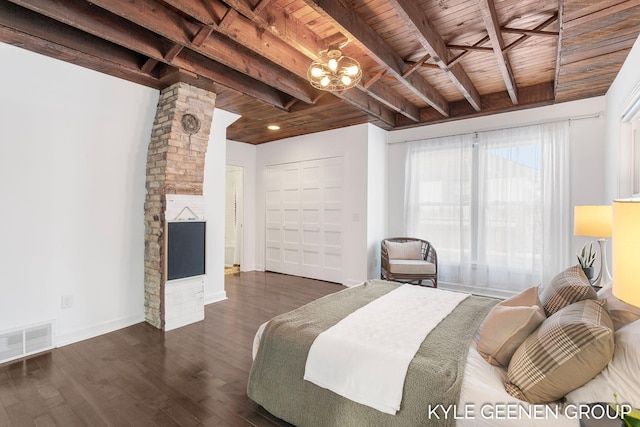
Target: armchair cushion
{"points": [[404, 250], [411, 266]]}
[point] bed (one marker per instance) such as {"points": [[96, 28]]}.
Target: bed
{"points": [[448, 382]]}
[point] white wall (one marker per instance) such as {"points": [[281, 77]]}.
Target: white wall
{"points": [[72, 180], [376, 198], [214, 191], [351, 143], [244, 155], [587, 141], [618, 176]]}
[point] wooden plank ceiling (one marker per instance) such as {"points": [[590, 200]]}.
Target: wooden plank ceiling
{"points": [[424, 61]]}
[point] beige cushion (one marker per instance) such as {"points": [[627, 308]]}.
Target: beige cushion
{"points": [[621, 312], [568, 287], [507, 325], [568, 349], [404, 250], [411, 266]]}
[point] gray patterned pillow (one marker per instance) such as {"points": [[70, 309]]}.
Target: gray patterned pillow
{"points": [[569, 286], [570, 348]]}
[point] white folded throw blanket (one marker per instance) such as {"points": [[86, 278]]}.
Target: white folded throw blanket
{"points": [[365, 356]]}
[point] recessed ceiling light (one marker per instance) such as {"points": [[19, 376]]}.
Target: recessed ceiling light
{"points": [[273, 127]]}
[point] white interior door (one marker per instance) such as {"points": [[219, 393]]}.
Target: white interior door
{"points": [[233, 216], [304, 218]]}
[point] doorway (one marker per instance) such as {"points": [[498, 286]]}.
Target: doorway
{"points": [[233, 219]]}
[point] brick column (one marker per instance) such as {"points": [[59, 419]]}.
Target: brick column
{"points": [[175, 165]]}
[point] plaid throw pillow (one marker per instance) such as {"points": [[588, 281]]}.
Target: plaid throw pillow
{"points": [[568, 287], [565, 352]]}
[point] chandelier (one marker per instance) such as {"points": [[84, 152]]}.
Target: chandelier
{"points": [[333, 71]]}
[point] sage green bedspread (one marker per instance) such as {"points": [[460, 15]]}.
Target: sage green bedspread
{"points": [[434, 375]]}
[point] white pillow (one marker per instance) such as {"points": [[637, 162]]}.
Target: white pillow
{"points": [[621, 312], [621, 375], [404, 250]]}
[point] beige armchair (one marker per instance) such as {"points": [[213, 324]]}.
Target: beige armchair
{"points": [[409, 259]]}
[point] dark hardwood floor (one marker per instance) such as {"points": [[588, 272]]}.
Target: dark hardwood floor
{"points": [[139, 376]]}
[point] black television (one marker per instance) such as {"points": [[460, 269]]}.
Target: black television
{"points": [[185, 249]]}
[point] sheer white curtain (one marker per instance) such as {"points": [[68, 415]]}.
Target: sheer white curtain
{"points": [[495, 205], [438, 199]]}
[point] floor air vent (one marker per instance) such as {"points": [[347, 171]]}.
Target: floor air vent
{"points": [[23, 342]]}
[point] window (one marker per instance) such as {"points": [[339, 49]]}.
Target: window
{"points": [[494, 205]]}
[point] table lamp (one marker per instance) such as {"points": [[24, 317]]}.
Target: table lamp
{"points": [[626, 250], [595, 221]]}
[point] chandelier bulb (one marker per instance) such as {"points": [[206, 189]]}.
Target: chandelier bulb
{"points": [[325, 81], [352, 70], [317, 72], [333, 64], [346, 80]]}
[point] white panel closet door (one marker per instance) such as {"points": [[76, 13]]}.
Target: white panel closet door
{"points": [[304, 218]]}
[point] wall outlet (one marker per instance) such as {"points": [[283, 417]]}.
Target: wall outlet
{"points": [[67, 301]]}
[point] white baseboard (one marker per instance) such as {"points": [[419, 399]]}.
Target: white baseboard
{"points": [[80, 334], [215, 297]]}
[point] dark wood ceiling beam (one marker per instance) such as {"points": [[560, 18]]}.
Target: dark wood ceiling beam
{"points": [[149, 65], [413, 67], [208, 13], [83, 17], [374, 78], [526, 33], [203, 66], [526, 37], [392, 100], [459, 57], [262, 4], [281, 24], [353, 26], [170, 25], [25, 29], [478, 46], [227, 20], [370, 106], [173, 52], [494, 103], [243, 31], [530, 32], [490, 17], [471, 47], [202, 35], [417, 21], [91, 20]]}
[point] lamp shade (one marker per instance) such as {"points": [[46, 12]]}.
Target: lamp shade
{"points": [[626, 250], [594, 221]]}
